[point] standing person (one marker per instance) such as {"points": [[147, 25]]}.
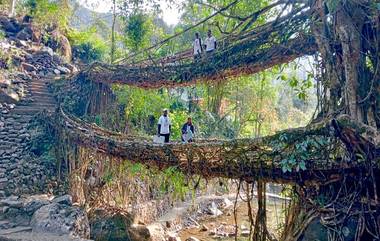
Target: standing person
{"points": [[188, 131], [210, 43], [164, 126], [197, 47]]}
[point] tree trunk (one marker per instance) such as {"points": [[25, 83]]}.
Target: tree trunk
{"points": [[13, 8], [331, 64], [349, 33], [113, 44]]}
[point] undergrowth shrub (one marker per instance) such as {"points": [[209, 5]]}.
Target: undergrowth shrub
{"points": [[2, 34], [87, 46]]}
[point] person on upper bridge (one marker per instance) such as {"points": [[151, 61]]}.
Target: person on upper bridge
{"points": [[164, 126], [188, 131], [197, 47], [210, 43]]}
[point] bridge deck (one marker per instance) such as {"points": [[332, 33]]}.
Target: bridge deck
{"points": [[248, 159], [272, 43], [223, 64]]}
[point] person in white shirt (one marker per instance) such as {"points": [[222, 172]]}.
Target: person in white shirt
{"points": [[210, 43], [197, 46], [164, 126]]}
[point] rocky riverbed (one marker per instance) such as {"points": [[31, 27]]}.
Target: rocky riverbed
{"points": [[212, 217]]}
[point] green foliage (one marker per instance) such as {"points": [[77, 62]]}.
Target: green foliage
{"points": [[300, 86], [299, 152], [321, 200], [87, 45], [108, 177], [252, 104], [242, 107], [195, 11], [170, 181], [178, 118], [137, 31], [174, 181], [211, 125], [49, 13], [2, 34], [5, 60], [332, 5], [87, 52], [142, 107]]}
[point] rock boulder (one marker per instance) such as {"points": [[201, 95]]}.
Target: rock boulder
{"points": [[9, 25], [28, 67], [61, 219], [108, 226], [66, 200], [139, 232], [25, 34]]}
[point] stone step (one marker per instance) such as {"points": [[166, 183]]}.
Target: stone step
{"points": [[46, 79], [36, 105], [35, 236], [34, 88], [20, 118], [40, 92], [15, 230], [4, 224], [32, 110], [38, 84], [41, 99], [39, 89], [38, 100], [43, 80], [39, 95]]}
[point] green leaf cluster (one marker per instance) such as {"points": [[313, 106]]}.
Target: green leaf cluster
{"points": [[138, 31], [301, 86], [87, 45], [49, 13], [299, 152]]}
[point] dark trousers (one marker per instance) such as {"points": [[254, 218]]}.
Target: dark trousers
{"points": [[167, 136], [210, 52], [197, 57], [189, 141]]}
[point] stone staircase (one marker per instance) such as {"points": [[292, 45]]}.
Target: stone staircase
{"points": [[18, 171], [39, 99]]}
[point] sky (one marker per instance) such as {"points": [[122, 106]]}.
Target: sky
{"points": [[170, 15]]}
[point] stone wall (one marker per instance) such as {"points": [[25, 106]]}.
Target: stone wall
{"points": [[20, 172]]}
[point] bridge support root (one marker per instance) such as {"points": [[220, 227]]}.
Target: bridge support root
{"points": [[346, 210]]}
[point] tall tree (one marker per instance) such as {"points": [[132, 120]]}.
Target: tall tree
{"points": [[13, 8], [347, 34], [113, 33]]}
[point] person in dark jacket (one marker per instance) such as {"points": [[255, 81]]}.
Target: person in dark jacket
{"points": [[188, 131]]}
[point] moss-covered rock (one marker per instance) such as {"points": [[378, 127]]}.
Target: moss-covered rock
{"points": [[106, 226]]}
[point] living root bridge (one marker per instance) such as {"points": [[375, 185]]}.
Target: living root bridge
{"points": [[297, 155], [247, 57]]}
